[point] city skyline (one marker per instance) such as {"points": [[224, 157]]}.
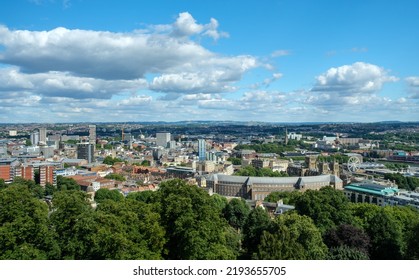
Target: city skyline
{"points": [[275, 61]]}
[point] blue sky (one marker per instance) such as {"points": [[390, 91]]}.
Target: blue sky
{"points": [[273, 61]]}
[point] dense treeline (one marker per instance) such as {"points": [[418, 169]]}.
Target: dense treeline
{"points": [[250, 170], [182, 222], [408, 183]]}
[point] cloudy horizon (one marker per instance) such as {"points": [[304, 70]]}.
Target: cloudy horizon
{"points": [[178, 70]]}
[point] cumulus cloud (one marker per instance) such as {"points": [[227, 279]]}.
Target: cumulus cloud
{"points": [[166, 52], [413, 84], [351, 85], [358, 78], [185, 26], [63, 84]]}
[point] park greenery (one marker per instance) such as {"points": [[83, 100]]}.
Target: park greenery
{"points": [[181, 222], [111, 160], [115, 176], [249, 170]]}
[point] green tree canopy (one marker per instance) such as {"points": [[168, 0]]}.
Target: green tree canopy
{"points": [[114, 176], [286, 197], [111, 161], [194, 227], [259, 172], [327, 207], [103, 194], [66, 184], [68, 207], [256, 223], [292, 237], [25, 232], [236, 212]]}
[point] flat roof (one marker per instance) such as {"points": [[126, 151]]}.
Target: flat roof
{"points": [[372, 189]]}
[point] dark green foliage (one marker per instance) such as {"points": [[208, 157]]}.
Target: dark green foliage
{"points": [[256, 223], [346, 253], [50, 189], [413, 243], [194, 227], [180, 221], [3, 185], [236, 212], [383, 228], [104, 194], [259, 172], [144, 196], [24, 227], [114, 176], [291, 237], [67, 184], [119, 230], [286, 197], [219, 201], [408, 183], [327, 207], [111, 161], [145, 163], [266, 148], [68, 208], [235, 161], [35, 189], [347, 236]]}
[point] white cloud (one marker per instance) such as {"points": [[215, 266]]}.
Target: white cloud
{"points": [[357, 78], [101, 55], [413, 84], [279, 53], [63, 84], [186, 25]]}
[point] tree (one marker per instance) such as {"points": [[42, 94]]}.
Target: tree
{"points": [[236, 212], [292, 237], [28, 143], [194, 227], [68, 208], [145, 163], [148, 197], [256, 223], [50, 189], [118, 231], [348, 236], [259, 172], [327, 207], [383, 228], [3, 185], [220, 202], [103, 194], [413, 243], [346, 253], [64, 183], [235, 161], [111, 161], [114, 176], [25, 232], [35, 189], [286, 197]]}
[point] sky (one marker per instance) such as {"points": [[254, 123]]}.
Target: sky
{"points": [[184, 60]]}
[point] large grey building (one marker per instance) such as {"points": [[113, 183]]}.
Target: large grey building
{"points": [[43, 135], [85, 151], [257, 188], [92, 134], [162, 138]]}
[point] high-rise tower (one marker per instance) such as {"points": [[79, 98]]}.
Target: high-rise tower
{"points": [[202, 149]]}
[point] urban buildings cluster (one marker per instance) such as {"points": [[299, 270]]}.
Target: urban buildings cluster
{"points": [[145, 160]]}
